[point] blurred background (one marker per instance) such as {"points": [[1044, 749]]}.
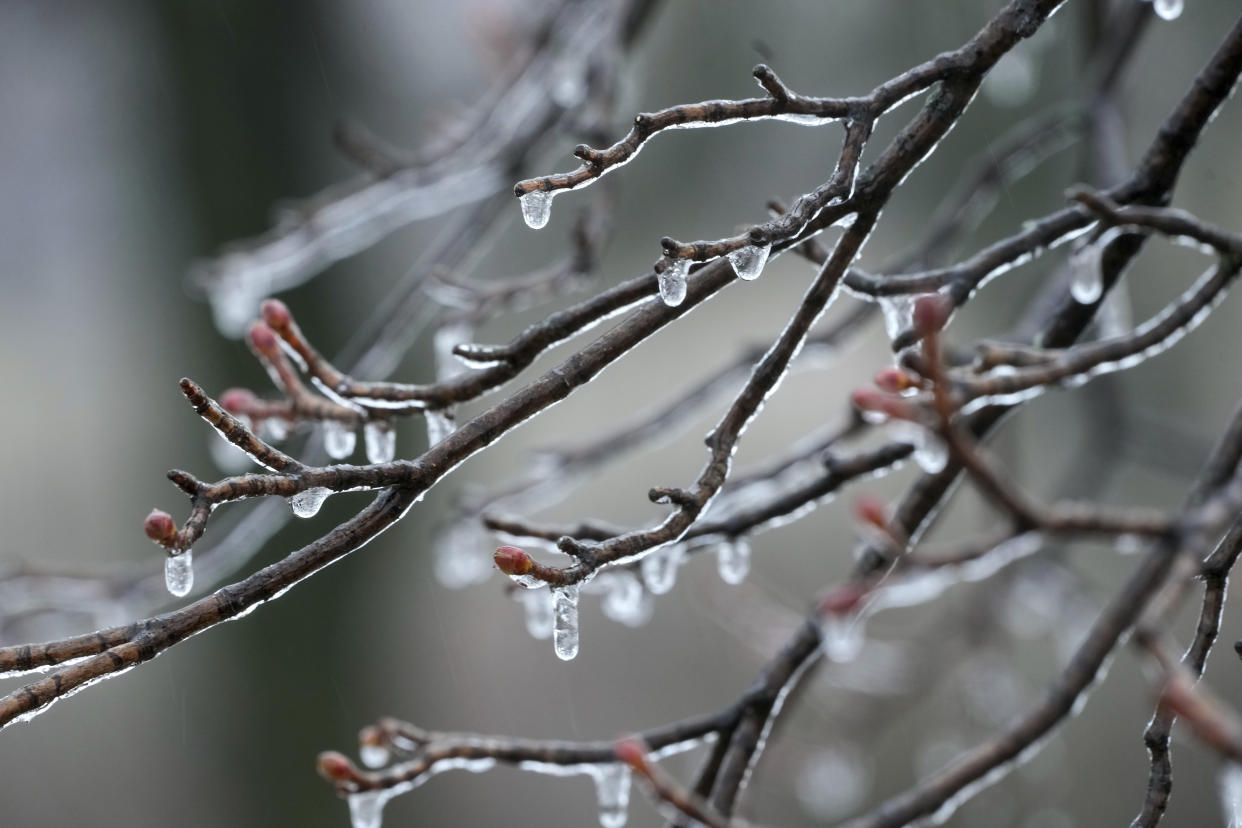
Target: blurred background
{"points": [[140, 137]]}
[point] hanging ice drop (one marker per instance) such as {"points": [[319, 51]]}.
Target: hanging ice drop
{"points": [[1168, 9], [733, 560], [627, 602], [381, 442], [374, 756], [536, 208], [841, 636], [931, 453], [338, 439], [565, 624], [659, 569], [612, 784], [1086, 279], [673, 282], [179, 574], [539, 612], [306, 504], [748, 261]]}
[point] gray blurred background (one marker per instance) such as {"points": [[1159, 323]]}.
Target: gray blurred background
{"points": [[138, 137]]}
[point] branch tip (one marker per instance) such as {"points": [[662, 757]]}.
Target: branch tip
{"points": [[512, 561]]}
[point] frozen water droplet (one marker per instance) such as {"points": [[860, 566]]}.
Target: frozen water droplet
{"points": [[565, 623], [462, 557], [659, 569], [374, 756], [338, 439], [833, 782], [275, 429], [748, 261], [931, 453], [612, 784], [179, 573], [306, 504], [381, 442], [536, 208], [366, 810], [539, 613], [1168, 9], [673, 282], [1128, 544], [439, 425], [447, 338], [1086, 280], [733, 560], [841, 636], [626, 601]]}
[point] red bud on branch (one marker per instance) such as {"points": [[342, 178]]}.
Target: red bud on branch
{"points": [[513, 561]]}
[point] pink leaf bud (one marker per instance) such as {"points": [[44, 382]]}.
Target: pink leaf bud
{"points": [[237, 400], [513, 561], [632, 752], [870, 509], [276, 313], [160, 527], [843, 599], [894, 380], [262, 339], [335, 767]]}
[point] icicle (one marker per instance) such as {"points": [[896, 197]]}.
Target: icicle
{"points": [[338, 439], [673, 282], [1230, 781], [612, 784], [1128, 544], [841, 636], [374, 756], [539, 612], [306, 504], [626, 601], [1086, 283], [381, 441], [659, 569], [447, 338], [748, 261], [565, 623], [733, 560], [537, 208], [439, 425], [366, 810], [1168, 9], [179, 573]]}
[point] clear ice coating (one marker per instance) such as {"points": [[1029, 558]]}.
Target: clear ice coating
{"points": [[841, 636], [439, 426], [179, 573], [659, 569], [565, 621], [673, 282], [1168, 9], [748, 261], [539, 612], [612, 784], [338, 439], [306, 504], [366, 810], [374, 756], [381, 441], [898, 312], [733, 560], [626, 602], [536, 208]]}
